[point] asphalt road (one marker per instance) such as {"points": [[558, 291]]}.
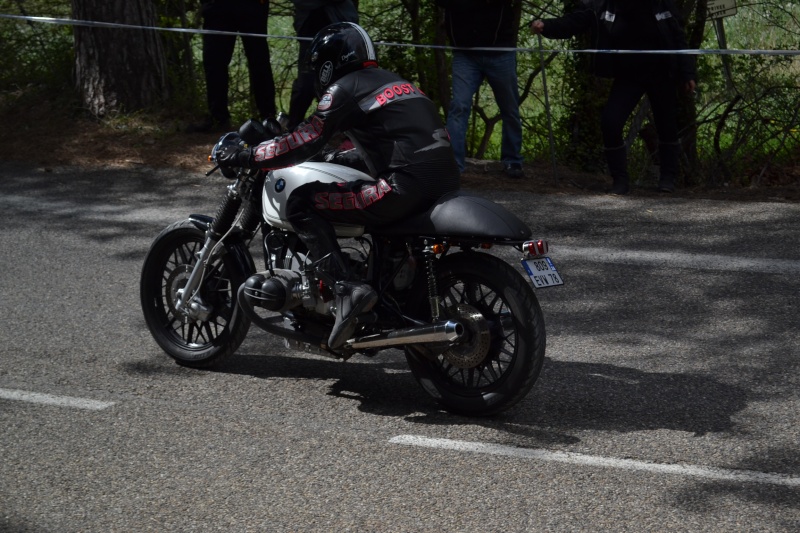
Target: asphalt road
{"points": [[669, 399]]}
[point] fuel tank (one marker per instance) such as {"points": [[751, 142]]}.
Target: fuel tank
{"points": [[280, 183]]}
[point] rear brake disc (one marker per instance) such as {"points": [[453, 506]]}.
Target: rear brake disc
{"points": [[472, 350]]}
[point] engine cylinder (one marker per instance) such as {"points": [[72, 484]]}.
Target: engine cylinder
{"points": [[275, 293]]}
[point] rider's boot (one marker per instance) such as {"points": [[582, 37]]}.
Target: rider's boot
{"points": [[352, 299]]}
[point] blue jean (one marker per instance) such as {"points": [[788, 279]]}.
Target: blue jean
{"points": [[469, 71]]}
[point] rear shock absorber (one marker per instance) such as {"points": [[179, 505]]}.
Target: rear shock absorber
{"points": [[429, 253]]}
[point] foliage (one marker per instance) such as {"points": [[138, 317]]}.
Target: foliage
{"points": [[34, 54], [749, 122]]}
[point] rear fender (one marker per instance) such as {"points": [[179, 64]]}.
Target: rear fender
{"points": [[464, 216]]}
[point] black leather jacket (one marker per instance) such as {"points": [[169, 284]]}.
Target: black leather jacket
{"points": [[601, 19], [479, 23], [335, 11], [391, 122]]}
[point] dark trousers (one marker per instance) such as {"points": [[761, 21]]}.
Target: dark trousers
{"points": [[625, 95], [303, 85], [243, 16]]}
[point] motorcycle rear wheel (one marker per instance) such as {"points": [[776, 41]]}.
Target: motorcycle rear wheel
{"points": [[506, 336], [192, 343]]}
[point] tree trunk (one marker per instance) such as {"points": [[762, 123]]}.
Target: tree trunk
{"points": [[694, 13], [118, 69]]}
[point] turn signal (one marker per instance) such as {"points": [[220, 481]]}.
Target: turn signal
{"points": [[536, 248]]}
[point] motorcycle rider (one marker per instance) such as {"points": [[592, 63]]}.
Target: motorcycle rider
{"points": [[393, 125]]}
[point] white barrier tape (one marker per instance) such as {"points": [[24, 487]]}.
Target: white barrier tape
{"points": [[71, 22], [94, 24]]}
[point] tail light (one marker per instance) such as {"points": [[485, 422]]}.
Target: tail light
{"points": [[536, 248]]}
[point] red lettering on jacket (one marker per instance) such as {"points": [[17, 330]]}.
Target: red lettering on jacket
{"points": [[336, 201], [395, 91], [321, 200], [384, 187], [290, 141]]}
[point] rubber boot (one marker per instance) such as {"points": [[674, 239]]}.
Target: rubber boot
{"points": [[669, 154], [617, 160]]}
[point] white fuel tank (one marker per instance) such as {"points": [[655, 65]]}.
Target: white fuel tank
{"points": [[280, 184]]}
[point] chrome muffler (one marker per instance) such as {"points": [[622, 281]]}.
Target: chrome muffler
{"points": [[448, 331]]}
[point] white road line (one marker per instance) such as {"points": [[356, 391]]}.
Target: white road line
{"points": [[680, 259], [49, 399], [716, 474]]}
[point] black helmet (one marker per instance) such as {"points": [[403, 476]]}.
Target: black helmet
{"points": [[336, 50]]}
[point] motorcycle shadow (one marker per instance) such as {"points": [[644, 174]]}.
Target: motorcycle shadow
{"points": [[382, 385], [568, 397]]}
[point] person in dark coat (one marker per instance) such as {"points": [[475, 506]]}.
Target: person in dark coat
{"points": [[633, 25]]}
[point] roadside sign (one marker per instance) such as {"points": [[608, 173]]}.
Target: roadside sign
{"points": [[718, 9]]}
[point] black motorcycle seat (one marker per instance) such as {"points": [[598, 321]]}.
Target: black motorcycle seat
{"points": [[465, 215]]}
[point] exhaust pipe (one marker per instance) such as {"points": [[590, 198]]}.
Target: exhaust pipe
{"points": [[442, 332]]}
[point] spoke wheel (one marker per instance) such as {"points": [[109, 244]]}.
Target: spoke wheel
{"points": [[502, 353], [208, 337]]}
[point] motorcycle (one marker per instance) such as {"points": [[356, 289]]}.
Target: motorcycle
{"points": [[469, 324]]}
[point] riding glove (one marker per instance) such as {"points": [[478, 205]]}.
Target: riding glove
{"points": [[234, 156]]}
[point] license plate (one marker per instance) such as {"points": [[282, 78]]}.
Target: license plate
{"points": [[542, 272]]}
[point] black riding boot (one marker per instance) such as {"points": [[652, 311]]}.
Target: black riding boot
{"points": [[352, 298], [669, 154], [617, 159]]}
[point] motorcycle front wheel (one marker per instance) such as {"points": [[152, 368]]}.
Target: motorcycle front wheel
{"points": [[503, 350], [197, 343]]}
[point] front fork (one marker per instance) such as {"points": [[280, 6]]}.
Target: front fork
{"points": [[189, 303], [196, 309]]}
